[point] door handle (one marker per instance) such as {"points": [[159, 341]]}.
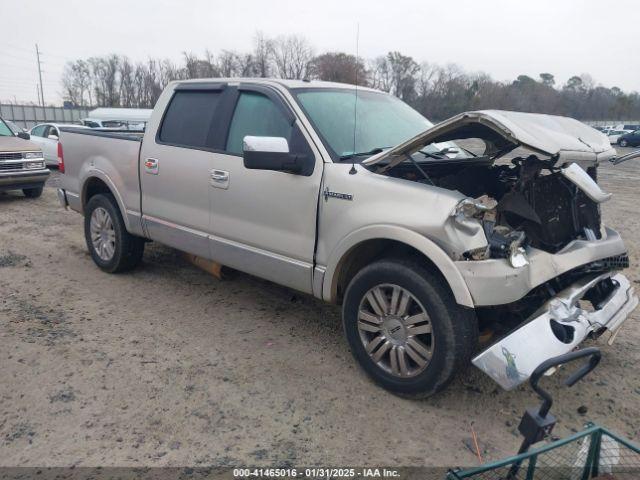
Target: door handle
{"points": [[219, 179], [151, 166], [219, 175]]}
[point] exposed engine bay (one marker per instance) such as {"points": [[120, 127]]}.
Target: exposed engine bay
{"points": [[527, 202]]}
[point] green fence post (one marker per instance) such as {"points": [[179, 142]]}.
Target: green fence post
{"points": [[593, 457], [531, 469]]}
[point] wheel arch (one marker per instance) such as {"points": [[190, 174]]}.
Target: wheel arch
{"points": [[372, 243], [97, 182]]}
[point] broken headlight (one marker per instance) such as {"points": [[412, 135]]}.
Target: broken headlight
{"points": [[503, 242], [475, 208]]}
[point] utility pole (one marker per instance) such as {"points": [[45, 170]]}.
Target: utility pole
{"points": [[40, 75]]}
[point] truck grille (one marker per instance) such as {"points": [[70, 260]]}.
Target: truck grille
{"points": [[10, 167], [10, 155]]}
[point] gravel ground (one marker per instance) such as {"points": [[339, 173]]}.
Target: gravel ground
{"points": [[167, 366]]}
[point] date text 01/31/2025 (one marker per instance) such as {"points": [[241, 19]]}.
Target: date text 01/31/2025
{"points": [[315, 472]]}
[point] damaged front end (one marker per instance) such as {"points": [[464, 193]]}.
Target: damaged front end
{"points": [[546, 278]]}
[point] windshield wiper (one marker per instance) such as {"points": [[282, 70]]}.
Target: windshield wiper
{"points": [[438, 155], [442, 154], [373, 151]]}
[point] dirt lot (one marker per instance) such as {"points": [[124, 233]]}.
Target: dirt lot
{"points": [[169, 366]]}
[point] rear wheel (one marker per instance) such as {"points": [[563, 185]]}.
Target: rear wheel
{"points": [[32, 192], [405, 328], [112, 248]]}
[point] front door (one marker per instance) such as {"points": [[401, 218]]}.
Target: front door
{"points": [[49, 146], [264, 222]]}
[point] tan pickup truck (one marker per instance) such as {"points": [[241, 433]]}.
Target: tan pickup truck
{"points": [[21, 163], [424, 244]]}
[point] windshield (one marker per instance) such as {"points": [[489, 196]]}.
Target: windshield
{"points": [[382, 120], [5, 131]]}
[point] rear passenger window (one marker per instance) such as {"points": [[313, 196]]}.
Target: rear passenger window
{"points": [[187, 121], [255, 114]]}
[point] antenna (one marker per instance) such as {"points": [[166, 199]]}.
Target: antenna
{"points": [[353, 170]]}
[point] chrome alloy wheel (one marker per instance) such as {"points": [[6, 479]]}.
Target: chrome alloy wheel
{"points": [[395, 330], [103, 235]]}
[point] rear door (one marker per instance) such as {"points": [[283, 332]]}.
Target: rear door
{"points": [[175, 168], [264, 222]]}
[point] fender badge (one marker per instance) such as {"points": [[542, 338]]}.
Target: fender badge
{"points": [[342, 196]]}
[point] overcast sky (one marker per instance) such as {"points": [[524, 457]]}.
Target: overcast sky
{"points": [[504, 38]]}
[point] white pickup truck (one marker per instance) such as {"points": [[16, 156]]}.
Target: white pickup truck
{"points": [[353, 197]]}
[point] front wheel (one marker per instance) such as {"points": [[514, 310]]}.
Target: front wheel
{"points": [[623, 142], [405, 328], [112, 248]]}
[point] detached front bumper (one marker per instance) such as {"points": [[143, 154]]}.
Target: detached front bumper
{"points": [[559, 327]]}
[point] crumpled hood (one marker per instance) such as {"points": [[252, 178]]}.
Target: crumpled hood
{"points": [[16, 144], [562, 137]]}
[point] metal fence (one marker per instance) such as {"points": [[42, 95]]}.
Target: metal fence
{"points": [[601, 123], [27, 116]]}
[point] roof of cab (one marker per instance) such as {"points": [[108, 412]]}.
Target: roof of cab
{"points": [[288, 84]]}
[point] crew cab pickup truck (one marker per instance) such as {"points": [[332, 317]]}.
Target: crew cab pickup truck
{"points": [[22, 164], [352, 196]]}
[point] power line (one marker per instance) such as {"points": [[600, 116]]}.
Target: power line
{"points": [[14, 57], [13, 46]]}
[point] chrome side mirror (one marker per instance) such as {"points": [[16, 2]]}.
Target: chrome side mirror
{"points": [[265, 144], [270, 153]]}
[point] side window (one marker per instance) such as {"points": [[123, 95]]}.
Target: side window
{"points": [[38, 131], [5, 131], [255, 114], [187, 121], [54, 131]]}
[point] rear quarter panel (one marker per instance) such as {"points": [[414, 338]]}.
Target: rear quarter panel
{"points": [[108, 158]]}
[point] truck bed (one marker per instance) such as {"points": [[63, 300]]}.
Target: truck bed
{"points": [[111, 155]]}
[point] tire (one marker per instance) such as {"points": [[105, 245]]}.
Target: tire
{"points": [[32, 192], [451, 342], [116, 250], [623, 142]]}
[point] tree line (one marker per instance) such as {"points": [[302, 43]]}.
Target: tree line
{"points": [[437, 91]]}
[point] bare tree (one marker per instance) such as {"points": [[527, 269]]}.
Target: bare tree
{"points": [[339, 67], [262, 51], [105, 71], [434, 90], [380, 75], [292, 56], [403, 71], [128, 86], [76, 82], [228, 63]]}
